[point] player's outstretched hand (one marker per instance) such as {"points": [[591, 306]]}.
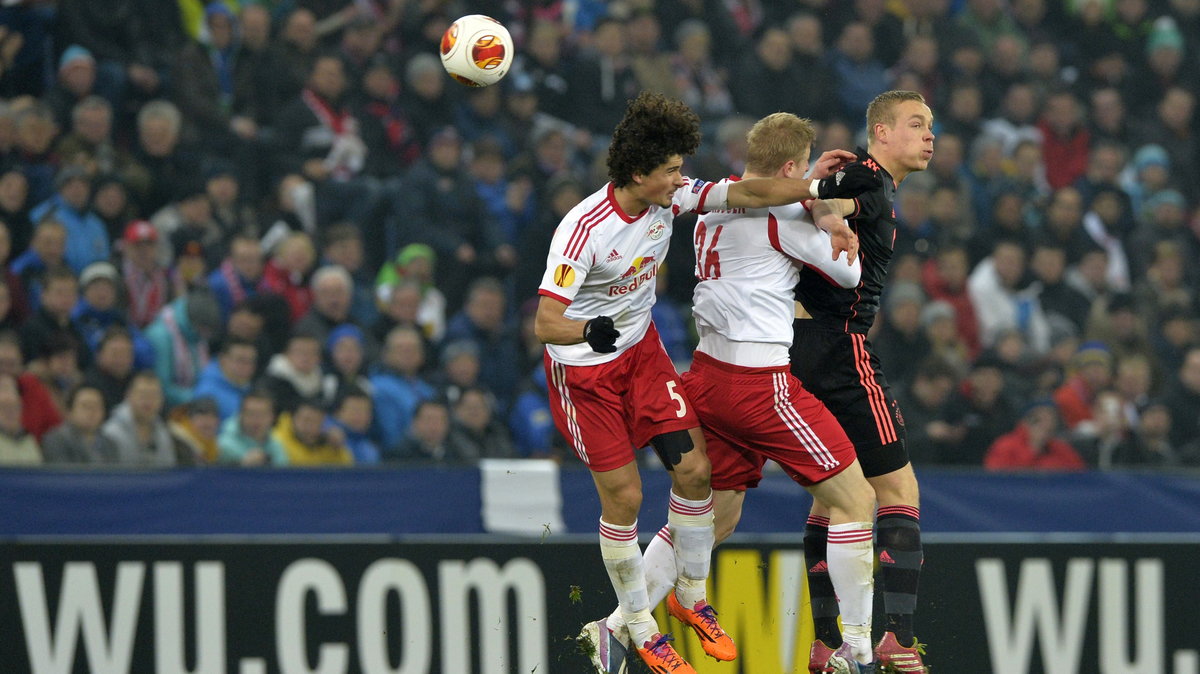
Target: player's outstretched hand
{"points": [[831, 162], [601, 334], [850, 181], [844, 240]]}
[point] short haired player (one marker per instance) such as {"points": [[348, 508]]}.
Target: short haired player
{"points": [[751, 408], [834, 359], [612, 387]]}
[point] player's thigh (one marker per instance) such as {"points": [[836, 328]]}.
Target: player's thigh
{"points": [[794, 429], [590, 413], [897, 487], [847, 492], [851, 384], [733, 466], [657, 402]]}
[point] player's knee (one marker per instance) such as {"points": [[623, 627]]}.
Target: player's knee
{"points": [[897, 488], [672, 446], [624, 502]]}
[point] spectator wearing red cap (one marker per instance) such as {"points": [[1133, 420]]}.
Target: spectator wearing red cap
{"points": [[145, 279]]}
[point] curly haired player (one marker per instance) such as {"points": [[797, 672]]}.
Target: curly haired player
{"points": [[612, 387]]}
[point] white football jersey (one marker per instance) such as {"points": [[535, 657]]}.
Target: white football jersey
{"points": [[748, 262], [603, 262]]}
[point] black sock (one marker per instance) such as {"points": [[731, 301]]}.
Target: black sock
{"points": [[900, 559], [820, 589]]}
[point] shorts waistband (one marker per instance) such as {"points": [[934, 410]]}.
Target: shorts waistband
{"points": [[824, 326], [704, 360]]}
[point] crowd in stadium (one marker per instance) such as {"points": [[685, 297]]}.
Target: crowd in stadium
{"points": [[277, 232]]}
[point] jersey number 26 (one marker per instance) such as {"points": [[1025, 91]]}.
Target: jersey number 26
{"points": [[708, 262]]}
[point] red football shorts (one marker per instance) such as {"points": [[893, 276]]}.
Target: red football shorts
{"points": [[751, 414], [607, 411]]}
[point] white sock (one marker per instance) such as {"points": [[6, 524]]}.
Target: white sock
{"points": [[623, 561], [851, 570], [691, 524], [659, 563]]}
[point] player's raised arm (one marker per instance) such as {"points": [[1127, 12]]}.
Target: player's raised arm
{"points": [[849, 181], [829, 215]]}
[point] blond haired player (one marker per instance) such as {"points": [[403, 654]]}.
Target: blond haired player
{"points": [[750, 406], [834, 359], [612, 387]]}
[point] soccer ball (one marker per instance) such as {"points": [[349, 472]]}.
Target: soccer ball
{"points": [[477, 50]]}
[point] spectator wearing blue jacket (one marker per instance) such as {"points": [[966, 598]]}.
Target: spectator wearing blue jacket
{"points": [[228, 378], [97, 311], [398, 385], [180, 337], [246, 437], [483, 321], [353, 414], [237, 277], [87, 237]]}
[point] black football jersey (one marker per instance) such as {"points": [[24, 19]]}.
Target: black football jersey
{"points": [[854, 309]]}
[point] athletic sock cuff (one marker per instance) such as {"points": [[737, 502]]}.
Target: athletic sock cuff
{"points": [[618, 535], [850, 532], [686, 513], [903, 511]]}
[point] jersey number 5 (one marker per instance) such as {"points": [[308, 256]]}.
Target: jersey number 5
{"points": [[677, 398], [708, 262]]}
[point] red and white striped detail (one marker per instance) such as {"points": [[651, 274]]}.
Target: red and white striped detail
{"points": [[558, 375], [866, 377], [818, 521], [853, 536], [680, 507], [803, 432], [665, 534], [583, 228], [905, 510], [618, 534]]}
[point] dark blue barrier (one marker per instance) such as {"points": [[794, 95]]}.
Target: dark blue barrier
{"points": [[444, 500]]}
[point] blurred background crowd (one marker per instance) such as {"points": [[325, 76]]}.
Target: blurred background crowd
{"points": [[277, 232]]}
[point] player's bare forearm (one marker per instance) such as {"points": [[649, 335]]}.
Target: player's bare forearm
{"points": [[829, 214], [764, 192], [552, 327]]}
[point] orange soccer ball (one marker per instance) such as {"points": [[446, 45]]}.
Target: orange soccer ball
{"points": [[477, 50]]}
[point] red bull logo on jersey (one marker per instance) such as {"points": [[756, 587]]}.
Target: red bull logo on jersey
{"points": [[656, 230], [639, 263], [642, 270]]}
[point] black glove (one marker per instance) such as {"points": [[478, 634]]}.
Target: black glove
{"points": [[851, 181], [601, 335]]}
